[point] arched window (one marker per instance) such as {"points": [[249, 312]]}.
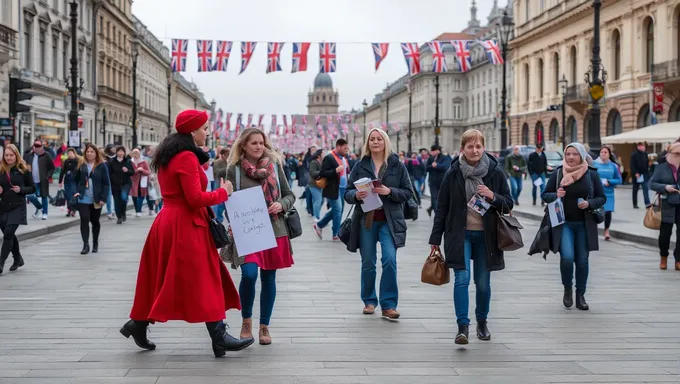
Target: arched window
{"points": [[556, 72], [614, 124], [572, 130], [540, 138], [526, 82], [616, 44], [525, 134], [574, 62], [540, 78], [554, 131], [649, 44], [644, 117], [323, 97]]}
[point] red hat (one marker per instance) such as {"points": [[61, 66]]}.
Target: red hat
{"points": [[190, 120]]}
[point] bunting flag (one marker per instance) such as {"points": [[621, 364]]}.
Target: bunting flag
{"points": [[247, 49], [227, 127], [285, 122], [327, 57], [179, 55], [493, 52], [395, 126], [412, 56], [300, 57], [239, 120], [438, 58], [222, 55], [259, 121], [250, 120], [463, 56], [205, 53], [274, 57], [273, 127], [217, 125], [379, 52]]}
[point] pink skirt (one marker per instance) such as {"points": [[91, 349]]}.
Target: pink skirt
{"points": [[275, 258]]}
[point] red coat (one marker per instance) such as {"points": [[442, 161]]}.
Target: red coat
{"points": [[181, 276]]}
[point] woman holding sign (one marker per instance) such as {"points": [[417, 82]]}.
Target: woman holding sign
{"points": [[386, 225], [181, 276], [253, 163]]}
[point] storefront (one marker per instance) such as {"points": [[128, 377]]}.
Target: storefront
{"points": [[50, 128]]}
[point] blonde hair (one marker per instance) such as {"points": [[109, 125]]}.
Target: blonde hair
{"points": [[366, 150], [471, 135], [237, 150], [20, 164]]}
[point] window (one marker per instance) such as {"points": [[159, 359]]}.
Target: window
{"points": [[479, 110], [540, 78], [81, 13], [489, 77], [541, 6], [556, 71], [616, 40], [483, 78], [491, 108], [43, 51], [526, 10], [649, 39], [456, 85], [484, 103], [572, 54], [457, 110], [88, 68], [526, 82], [64, 59], [55, 54]]}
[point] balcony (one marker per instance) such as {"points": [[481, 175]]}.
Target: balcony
{"points": [[111, 93], [666, 72], [8, 45], [578, 94]]}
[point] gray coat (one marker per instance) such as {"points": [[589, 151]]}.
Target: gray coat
{"points": [[662, 177]]}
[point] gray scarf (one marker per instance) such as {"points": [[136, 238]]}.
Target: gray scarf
{"points": [[473, 175]]}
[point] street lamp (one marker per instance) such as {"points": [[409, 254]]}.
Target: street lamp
{"points": [[135, 55], [103, 129], [169, 104], [595, 82], [563, 84], [365, 105], [436, 111], [408, 89], [505, 28], [73, 113]]}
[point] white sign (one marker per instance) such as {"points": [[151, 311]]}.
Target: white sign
{"points": [[74, 139], [250, 221]]}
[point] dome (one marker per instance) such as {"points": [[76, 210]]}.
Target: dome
{"points": [[323, 80]]}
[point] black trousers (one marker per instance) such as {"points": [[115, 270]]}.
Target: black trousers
{"points": [[120, 200], [10, 243], [607, 220], [89, 214], [665, 233]]}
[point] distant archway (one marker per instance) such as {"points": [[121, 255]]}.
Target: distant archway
{"points": [[525, 134]]}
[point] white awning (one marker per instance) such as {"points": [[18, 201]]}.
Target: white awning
{"points": [[653, 134], [145, 143]]}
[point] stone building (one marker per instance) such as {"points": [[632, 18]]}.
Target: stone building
{"points": [[9, 55], [322, 99], [185, 95], [639, 45]]}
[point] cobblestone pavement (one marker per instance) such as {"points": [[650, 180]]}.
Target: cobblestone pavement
{"points": [[60, 315]]}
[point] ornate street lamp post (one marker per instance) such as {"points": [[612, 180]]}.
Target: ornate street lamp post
{"points": [[135, 55], [408, 89], [365, 105], [505, 28], [595, 83], [564, 83]]}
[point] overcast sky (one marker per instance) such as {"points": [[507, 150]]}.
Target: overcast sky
{"points": [[351, 23]]}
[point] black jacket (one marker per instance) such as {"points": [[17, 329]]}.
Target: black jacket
{"points": [[68, 170], [100, 182], [595, 198], [663, 176], [417, 171], [328, 172], [12, 203], [45, 168], [639, 163], [450, 219], [397, 179], [538, 163], [118, 177], [437, 173]]}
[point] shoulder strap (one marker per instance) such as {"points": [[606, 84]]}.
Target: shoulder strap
{"points": [[278, 182], [237, 172]]}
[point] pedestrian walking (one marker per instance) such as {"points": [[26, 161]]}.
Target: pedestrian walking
{"points": [[335, 170], [537, 166], [120, 172], [639, 167], [181, 276], [468, 234], [41, 165], [515, 167], [139, 189], [93, 190], [67, 180], [611, 177], [437, 165], [665, 183]]}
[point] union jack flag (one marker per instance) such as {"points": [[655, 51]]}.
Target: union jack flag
{"points": [[395, 126], [179, 55], [304, 119], [463, 56], [259, 120], [300, 57], [493, 52], [204, 48], [250, 120], [412, 56], [222, 55], [274, 57], [379, 52], [318, 119], [273, 123], [227, 127], [247, 49], [438, 58], [327, 57], [239, 121], [285, 122]]}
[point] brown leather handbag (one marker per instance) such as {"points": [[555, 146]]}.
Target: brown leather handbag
{"points": [[508, 233], [652, 218], [435, 271]]}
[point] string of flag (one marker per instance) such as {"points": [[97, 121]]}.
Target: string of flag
{"points": [[215, 57]]}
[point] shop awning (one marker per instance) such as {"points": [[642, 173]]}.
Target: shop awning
{"points": [[653, 134], [145, 143]]}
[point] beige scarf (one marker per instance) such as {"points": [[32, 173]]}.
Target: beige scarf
{"points": [[571, 174]]}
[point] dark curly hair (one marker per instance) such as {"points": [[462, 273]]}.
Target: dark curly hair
{"points": [[171, 146]]}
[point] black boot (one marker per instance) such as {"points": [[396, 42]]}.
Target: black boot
{"points": [[17, 264], [223, 342], [581, 302], [483, 331], [568, 298], [95, 246], [462, 336], [137, 329], [86, 249]]}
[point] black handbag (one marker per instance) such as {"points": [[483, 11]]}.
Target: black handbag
{"points": [[293, 223], [411, 206], [346, 228], [218, 231]]}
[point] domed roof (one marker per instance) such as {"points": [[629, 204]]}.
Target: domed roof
{"points": [[323, 80]]}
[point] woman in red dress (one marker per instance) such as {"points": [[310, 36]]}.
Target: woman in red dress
{"points": [[181, 276]]}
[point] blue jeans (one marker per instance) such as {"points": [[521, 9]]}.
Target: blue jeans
{"points": [[335, 213], [317, 201], [475, 249], [247, 292], [139, 203], [534, 177], [417, 185], [515, 187], [574, 250], [38, 201], [120, 198], [219, 211], [434, 195], [109, 203], [308, 200], [368, 248], [70, 189]]}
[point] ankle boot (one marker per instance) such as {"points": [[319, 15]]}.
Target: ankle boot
{"points": [[86, 249], [482, 330], [223, 342], [462, 336], [568, 298], [581, 302], [664, 263], [95, 246], [137, 329], [17, 263]]}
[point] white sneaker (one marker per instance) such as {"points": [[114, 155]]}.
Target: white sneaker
{"points": [[36, 214], [44, 216], [139, 214]]}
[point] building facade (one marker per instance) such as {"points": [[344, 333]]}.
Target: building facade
{"points": [[639, 45], [185, 95], [465, 100], [153, 86], [323, 99], [9, 55], [45, 45]]}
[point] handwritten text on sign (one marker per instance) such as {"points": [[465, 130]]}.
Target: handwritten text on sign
{"points": [[250, 222]]}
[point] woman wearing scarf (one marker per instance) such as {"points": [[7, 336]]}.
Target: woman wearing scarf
{"points": [[317, 196], [140, 182], [665, 183], [580, 189], [253, 163], [470, 235]]}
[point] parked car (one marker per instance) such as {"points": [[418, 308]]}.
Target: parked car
{"points": [[554, 160], [524, 150]]}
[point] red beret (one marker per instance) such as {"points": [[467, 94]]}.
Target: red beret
{"points": [[190, 120]]}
